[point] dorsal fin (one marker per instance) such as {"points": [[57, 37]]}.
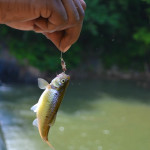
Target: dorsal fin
{"points": [[42, 83]]}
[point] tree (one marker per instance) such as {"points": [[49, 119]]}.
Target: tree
{"points": [[115, 31]]}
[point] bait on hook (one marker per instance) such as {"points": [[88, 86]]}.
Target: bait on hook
{"points": [[63, 64]]}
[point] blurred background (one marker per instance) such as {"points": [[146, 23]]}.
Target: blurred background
{"points": [[107, 104]]}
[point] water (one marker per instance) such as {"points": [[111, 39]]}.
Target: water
{"points": [[95, 115], [2, 141]]}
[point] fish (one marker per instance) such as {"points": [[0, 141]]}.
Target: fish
{"points": [[47, 107]]}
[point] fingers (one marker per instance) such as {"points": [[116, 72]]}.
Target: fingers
{"points": [[83, 4], [79, 9], [67, 34], [72, 13], [61, 24], [55, 37], [43, 24], [64, 39], [65, 14], [57, 18]]}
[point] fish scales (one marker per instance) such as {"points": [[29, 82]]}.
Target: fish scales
{"points": [[53, 101], [49, 102]]}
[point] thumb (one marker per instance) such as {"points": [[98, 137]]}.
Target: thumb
{"points": [[56, 38]]}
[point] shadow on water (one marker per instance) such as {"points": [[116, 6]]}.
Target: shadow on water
{"points": [[80, 95]]}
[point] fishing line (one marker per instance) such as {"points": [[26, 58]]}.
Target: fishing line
{"points": [[63, 64]]}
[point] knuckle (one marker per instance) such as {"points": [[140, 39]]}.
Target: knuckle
{"points": [[61, 18], [58, 20], [83, 4], [64, 20]]}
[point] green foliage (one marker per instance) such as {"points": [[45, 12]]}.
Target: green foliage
{"points": [[115, 31], [36, 50], [148, 1], [120, 29], [143, 35]]}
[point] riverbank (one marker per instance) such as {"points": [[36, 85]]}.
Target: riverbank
{"points": [[11, 71]]}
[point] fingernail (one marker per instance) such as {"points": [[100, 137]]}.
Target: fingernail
{"points": [[66, 48]]}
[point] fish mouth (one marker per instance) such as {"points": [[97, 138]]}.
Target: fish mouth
{"points": [[67, 77]]}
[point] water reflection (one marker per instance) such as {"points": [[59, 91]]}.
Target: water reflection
{"points": [[5, 88], [97, 115]]}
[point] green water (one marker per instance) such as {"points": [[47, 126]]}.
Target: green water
{"points": [[94, 115]]}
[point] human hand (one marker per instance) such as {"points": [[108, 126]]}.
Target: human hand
{"points": [[67, 30], [60, 21], [20, 14]]}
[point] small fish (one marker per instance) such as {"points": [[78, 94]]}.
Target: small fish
{"points": [[48, 104]]}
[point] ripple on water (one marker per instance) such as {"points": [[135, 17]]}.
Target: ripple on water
{"points": [[106, 132], [83, 134], [71, 147], [100, 148], [61, 128], [83, 148]]}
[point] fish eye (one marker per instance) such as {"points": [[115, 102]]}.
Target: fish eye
{"points": [[63, 81]]}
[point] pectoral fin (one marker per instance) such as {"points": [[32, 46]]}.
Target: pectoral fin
{"points": [[34, 108], [42, 83], [35, 123]]}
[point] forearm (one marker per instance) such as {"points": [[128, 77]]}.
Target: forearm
{"points": [[18, 10]]}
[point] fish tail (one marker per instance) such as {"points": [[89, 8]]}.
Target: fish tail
{"points": [[50, 145]]}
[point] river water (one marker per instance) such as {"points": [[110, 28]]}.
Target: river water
{"points": [[94, 115]]}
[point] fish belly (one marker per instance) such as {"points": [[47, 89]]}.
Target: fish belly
{"points": [[42, 114]]}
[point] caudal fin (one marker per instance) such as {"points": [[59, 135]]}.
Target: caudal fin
{"points": [[50, 145]]}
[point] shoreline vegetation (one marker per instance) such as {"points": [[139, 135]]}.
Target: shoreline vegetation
{"points": [[112, 45], [13, 72], [110, 39]]}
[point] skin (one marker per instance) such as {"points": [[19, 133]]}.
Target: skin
{"points": [[49, 103], [59, 20]]}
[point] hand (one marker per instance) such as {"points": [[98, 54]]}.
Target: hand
{"points": [[59, 20], [66, 31]]}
